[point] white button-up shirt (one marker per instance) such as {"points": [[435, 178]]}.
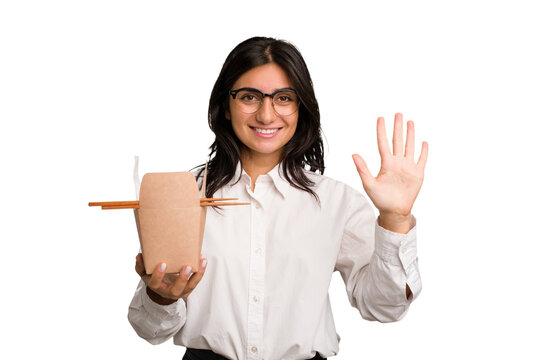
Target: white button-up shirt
{"points": [[264, 294]]}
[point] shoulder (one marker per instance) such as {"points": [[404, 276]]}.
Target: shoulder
{"points": [[326, 182], [339, 198], [332, 190]]}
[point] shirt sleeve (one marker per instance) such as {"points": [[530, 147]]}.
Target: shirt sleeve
{"points": [[154, 322], [377, 264]]}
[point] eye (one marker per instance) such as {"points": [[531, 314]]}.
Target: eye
{"points": [[285, 98], [249, 97]]}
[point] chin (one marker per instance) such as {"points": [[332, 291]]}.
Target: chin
{"points": [[266, 151]]}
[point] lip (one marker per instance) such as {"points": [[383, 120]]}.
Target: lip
{"points": [[265, 136]]}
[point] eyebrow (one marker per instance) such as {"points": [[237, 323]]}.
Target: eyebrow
{"points": [[275, 90]]}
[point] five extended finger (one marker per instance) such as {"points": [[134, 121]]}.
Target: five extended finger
{"points": [[423, 156], [397, 139], [363, 170], [382, 140], [409, 145]]}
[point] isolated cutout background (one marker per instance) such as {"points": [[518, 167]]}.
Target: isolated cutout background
{"points": [[84, 86]]}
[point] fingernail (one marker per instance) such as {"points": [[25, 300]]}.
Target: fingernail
{"points": [[204, 263], [187, 270], [162, 267]]}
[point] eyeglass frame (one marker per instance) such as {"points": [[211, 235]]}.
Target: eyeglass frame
{"points": [[233, 93]]}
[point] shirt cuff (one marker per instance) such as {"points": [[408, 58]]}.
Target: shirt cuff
{"points": [[166, 311], [400, 250]]}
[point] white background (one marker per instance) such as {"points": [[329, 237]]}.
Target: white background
{"points": [[85, 85]]}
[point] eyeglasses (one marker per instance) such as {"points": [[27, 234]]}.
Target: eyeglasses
{"points": [[250, 100]]}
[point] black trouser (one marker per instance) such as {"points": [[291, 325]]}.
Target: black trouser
{"points": [[196, 354]]}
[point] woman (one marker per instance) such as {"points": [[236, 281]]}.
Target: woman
{"points": [[270, 265]]}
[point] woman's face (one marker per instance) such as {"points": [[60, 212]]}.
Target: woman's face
{"points": [[264, 132]]}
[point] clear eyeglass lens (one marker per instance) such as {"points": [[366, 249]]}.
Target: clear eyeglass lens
{"points": [[285, 102]]}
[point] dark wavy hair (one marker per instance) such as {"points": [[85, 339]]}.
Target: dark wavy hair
{"points": [[304, 150]]}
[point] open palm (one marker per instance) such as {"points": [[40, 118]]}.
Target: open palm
{"points": [[400, 178]]}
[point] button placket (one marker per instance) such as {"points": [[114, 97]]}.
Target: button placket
{"points": [[256, 282]]}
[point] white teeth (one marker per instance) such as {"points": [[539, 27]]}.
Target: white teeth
{"points": [[266, 131]]}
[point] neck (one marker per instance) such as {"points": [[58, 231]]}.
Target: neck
{"points": [[258, 164]]}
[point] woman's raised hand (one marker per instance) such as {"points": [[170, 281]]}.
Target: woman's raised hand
{"points": [[400, 178], [166, 293]]}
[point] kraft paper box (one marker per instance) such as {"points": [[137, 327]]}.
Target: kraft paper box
{"points": [[170, 218], [170, 221]]}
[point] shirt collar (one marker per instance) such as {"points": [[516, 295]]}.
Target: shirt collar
{"points": [[275, 175], [282, 185]]}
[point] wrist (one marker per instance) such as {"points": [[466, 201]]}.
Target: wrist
{"points": [[158, 299], [395, 222]]}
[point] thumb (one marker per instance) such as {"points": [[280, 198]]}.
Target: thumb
{"points": [[363, 171]]}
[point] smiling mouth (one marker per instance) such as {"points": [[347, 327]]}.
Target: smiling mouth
{"points": [[265, 131]]}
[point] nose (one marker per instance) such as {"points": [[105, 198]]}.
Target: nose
{"points": [[266, 113]]}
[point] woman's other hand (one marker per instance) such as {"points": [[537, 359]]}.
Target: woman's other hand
{"points": [[166, 293], [400, 178]]}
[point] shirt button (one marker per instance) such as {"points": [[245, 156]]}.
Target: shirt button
{"points": [[257, 206], [254, 349], [255, 299], [403, 250], [258, 251]]}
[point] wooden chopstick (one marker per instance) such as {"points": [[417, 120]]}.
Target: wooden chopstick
{"points": [[105, 207], [136, 203], [114, 205], [222, 204]]}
